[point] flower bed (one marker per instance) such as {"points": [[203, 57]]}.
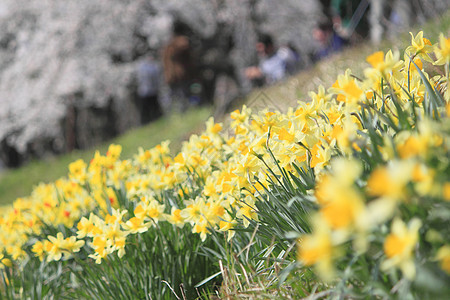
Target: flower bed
{"points": [[358, 177]]}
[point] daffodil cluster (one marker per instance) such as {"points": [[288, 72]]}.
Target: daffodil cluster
{"points": [[378, 146], [386, 200]]}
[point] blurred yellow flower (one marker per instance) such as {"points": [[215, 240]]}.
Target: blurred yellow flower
{"points": [[446, 191], [175, 217], [56, 247], [320, 96], [99, 245], [4, 261], [78, 171], [343, 211], [399, 246], [227, 224], [375, 59], [347, 89], [442, 50], [201, 226], [136, 225], [443, 255], [213, 128], [192, 212], [390, 181], [412, 146], [39, 249], [384, 64], [317, 249], [247, 211], [72, 245], [114, 152]]}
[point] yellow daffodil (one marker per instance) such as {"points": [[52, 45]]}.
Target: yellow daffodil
{"points": [[78, 171], [384, 63], [192, 212], [420, 46], [136, 225], [213, 128], [320, 96], [227, 224], [71, 244], [318, 249], [390, 181], [175, 217], [399, 246], [100, 247], [442, 50], [114, 152], [4, 262], [247, 211], [201, 227], [56, 247], [347, 89]]}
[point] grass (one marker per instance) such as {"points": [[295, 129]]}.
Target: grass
{"points": [[19, 182], [176, 128]]}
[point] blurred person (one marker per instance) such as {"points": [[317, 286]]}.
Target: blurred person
{"points": [[180, 71], [274, 64], [148, 80], [349, 17], [328, 40]]}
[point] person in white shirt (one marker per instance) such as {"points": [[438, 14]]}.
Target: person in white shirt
{"points": [[274, 64]]}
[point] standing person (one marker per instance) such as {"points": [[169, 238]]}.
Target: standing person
{"points": [[179, 69], [148, 79]]}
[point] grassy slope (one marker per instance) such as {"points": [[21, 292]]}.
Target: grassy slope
{"points": [[17, 183], [176, 128]]}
